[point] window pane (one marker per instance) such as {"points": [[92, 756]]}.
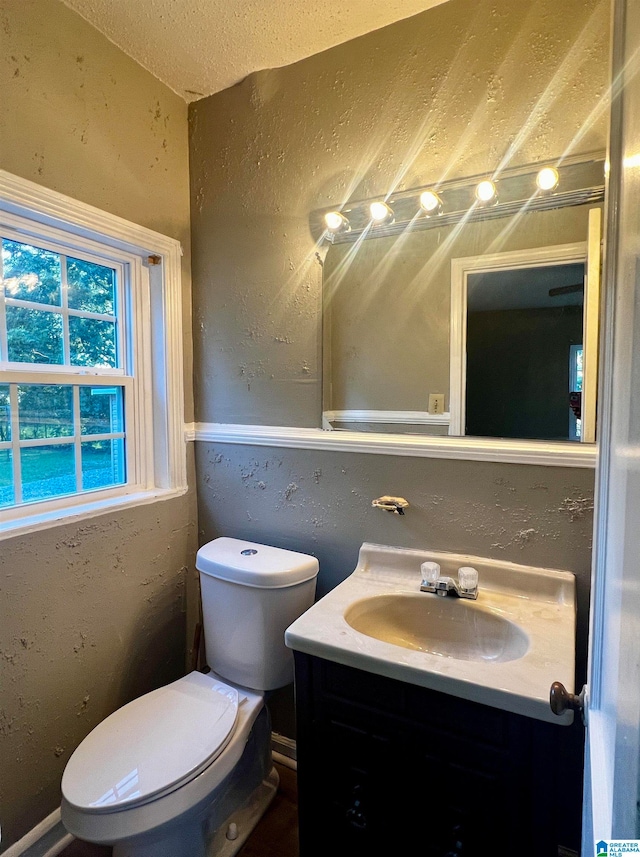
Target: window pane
{"points": [[45, 411], [47, 471], [7, 497], [34, 336], [91, 287], [92, 342], [5, 413], [103, 464], [31, 274], [101, 410], [579, 367]]}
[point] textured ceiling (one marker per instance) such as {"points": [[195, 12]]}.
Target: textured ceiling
{"points": [[198, 47]]}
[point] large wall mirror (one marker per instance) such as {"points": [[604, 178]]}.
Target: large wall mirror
{"points": [[479, 321], [474, 311]]}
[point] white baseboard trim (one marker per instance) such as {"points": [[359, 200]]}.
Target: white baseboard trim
{"points": [[47, 839], [284, 751], [285, 761], [283, 745]]}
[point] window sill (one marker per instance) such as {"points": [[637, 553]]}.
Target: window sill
{"points": [[80, 512]]}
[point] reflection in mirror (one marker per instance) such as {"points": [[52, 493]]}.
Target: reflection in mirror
{"points": [[524, 341], [524, 352], [428, 330], [530, 94]]}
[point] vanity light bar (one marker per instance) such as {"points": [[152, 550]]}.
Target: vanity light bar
{"points": [[578, 181]]}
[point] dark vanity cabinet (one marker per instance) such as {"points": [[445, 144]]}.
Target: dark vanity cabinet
{"points": [[390, 768]]}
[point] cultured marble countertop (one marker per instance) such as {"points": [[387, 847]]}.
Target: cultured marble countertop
{"points": [[541, 602]]}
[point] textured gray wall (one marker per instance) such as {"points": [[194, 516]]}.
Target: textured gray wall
{"points": [[444, 94], [320, 503], [92, 614]]}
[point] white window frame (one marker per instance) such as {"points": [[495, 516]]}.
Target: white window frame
{"points": [[156, 445]]}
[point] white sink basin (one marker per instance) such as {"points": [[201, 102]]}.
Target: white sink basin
{"points": [[450, 627], [504, 649]]}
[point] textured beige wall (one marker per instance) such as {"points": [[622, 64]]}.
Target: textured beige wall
{"points": [[91, 615], [445, 94]]}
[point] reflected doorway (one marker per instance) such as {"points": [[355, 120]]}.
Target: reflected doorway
{"points": [[524, 344], [516, 308]]}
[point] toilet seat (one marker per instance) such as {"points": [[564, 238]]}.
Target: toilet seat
{"points": [[152, 745]]}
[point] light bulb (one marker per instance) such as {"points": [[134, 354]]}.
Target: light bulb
{"points": [[336, 222], [547, 178], [380, 212], [486, 191], [430, 202]]}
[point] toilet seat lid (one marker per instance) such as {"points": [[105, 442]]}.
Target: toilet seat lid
{"points": [[152, 745]]}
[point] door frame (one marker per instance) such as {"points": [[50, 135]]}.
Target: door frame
{"points": [[612, 757], [535, 257]]}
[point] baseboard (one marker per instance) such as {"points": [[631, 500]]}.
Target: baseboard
{"points": [[47, 839], [283, 750], [283, 745]]}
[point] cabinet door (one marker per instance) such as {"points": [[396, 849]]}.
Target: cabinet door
{"points": [[345, 796], [387, 769]]}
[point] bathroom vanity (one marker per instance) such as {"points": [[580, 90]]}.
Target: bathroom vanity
{"points": [[436, 737]]}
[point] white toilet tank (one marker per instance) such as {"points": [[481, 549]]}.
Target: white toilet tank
{"points": [[250, 594]]}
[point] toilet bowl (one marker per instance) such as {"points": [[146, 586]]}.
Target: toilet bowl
{"points": [[186, 770]]}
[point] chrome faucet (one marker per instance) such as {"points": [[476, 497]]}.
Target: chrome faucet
{"points": [[432, 581]]}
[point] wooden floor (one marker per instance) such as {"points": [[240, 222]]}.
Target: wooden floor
{"points": [[276, 834]]}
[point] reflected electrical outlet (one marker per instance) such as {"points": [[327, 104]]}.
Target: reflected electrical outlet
{"points": [[436, 403]]}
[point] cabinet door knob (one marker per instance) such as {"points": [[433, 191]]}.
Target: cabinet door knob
{"points": [[561, 700]]}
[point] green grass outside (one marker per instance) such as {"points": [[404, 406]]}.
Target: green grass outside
{"points": [[49, 462]]}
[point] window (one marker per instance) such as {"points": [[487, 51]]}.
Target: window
{"points": [[90, 359], [576, 374]]}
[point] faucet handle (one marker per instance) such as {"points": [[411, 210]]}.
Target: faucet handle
{"points": [[468, 578], [430, 573]]}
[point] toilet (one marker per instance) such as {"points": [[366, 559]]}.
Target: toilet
{"points": [[186, 770]]}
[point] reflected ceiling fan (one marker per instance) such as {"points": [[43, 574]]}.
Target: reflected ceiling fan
{"points": [[566, 290]]}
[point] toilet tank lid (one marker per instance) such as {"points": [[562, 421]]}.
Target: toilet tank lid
{"points": [[253, 564]]}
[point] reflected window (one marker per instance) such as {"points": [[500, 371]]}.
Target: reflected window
{"points": [[576, 353]]}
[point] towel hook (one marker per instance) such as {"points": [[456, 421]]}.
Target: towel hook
{"points": [[397, 505]]}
